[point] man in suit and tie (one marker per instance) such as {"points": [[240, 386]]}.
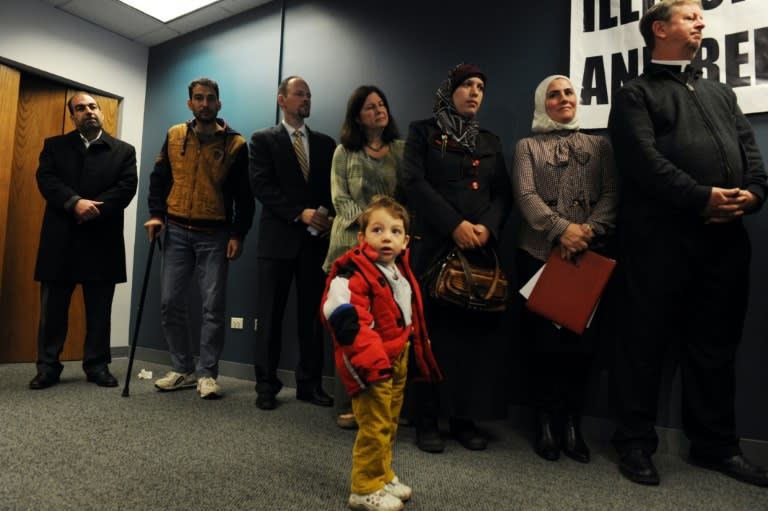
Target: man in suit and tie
{"points": [[290, 169]]}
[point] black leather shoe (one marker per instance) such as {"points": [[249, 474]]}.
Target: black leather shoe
{"points": [[546, 444], [428, 437], [465, 432], [573, 443], [736, 466], [637, 466], [102, 378], [266, 401], [315, 395], [43, 381]]}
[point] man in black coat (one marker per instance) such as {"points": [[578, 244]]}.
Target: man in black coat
{"points": [[293, 186], [87, 179], [690, 170]]}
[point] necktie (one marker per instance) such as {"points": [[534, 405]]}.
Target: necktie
{"points": [[298, 146]]}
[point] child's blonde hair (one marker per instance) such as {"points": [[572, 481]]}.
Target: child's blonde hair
{"points": [[387, 203]]}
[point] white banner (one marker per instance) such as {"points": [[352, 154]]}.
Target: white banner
{"points": [[607, 51]]}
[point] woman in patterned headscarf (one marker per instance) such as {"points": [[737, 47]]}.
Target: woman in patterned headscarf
{"points": [[565, 184], [457, 188]]}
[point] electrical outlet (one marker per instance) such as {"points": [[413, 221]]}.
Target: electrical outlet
{"points": [[236, 323]]}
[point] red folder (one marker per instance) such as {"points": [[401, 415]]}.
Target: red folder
{"points": [[567, 291]]}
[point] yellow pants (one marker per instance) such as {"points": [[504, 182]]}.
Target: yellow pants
{"points": [[377, 410]]}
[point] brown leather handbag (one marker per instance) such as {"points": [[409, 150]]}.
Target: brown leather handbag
{"points": [[479, 285]]}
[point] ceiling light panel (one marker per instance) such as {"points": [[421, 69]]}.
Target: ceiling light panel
{"points": [[167, 10]]}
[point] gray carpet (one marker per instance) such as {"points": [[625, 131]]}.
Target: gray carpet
{"points": [[81, 447]]}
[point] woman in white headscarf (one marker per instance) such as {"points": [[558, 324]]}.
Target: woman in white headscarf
{"points": [[564, 182]]}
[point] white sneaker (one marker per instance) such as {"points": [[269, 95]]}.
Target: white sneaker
{"points": [[376, 501], [398, 489], [208, 388], [175, 381]]}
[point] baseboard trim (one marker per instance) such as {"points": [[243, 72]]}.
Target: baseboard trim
{"points": [[226, 368], [597, 430], [673, 441]]}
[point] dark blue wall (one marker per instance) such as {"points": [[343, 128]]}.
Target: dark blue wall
{"points": [[406, 48]]}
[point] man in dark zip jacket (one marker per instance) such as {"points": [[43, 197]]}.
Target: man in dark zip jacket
{"points": [[689, 170]]}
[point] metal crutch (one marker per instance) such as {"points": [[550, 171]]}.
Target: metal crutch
{"points": [[138, 314]]}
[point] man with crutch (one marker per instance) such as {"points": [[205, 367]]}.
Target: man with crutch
{"points": [[200, 203]]}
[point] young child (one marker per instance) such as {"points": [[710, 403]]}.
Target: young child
{"points": [[372, 307]]}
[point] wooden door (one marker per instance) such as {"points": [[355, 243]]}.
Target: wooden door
{"points": [[9, 101], [42, 113], [39, 116]]}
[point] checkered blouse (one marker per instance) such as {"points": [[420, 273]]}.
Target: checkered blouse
{"points": [[560, 178]]}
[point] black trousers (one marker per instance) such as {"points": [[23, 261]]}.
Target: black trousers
{"points": [[685, 295], [55, 297], [558, 362], [273, 285], [472, 351], [558, 382]]}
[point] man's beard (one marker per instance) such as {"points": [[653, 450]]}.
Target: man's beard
{"points": [[89, 126], [209, 120], [693, 47]]}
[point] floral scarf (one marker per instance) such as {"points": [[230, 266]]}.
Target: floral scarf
{"points": [[462, 129]]}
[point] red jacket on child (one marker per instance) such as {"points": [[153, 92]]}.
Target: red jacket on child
{"points": [[367, 325]]}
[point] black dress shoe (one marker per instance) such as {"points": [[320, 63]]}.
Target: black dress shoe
{"points": [[465, 432], [315, 395], [266, 401], [428, 437], [736, 466], [102, 378], [43, 381], [546, 444], [573, 443], [637, 466]]}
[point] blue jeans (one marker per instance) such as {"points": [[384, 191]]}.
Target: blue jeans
{"points": [[187, 252]]}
